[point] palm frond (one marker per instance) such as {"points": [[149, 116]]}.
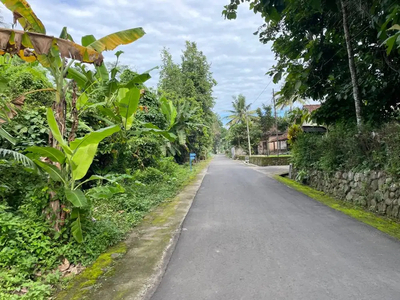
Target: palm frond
{"points": [[4, 134], [26, 161]]}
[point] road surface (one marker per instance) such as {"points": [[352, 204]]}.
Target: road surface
{"points": [[248, 236]]}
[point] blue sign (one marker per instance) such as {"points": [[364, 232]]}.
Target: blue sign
{"points": [[192, 157]]}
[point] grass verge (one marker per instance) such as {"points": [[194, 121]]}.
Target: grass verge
{"points": [[383, 224]]}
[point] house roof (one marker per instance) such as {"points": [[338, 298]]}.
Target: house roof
{"points": [[311, 107], [282, 137]]}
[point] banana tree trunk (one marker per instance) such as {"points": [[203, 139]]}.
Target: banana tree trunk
{"points": [[352, 65], [56, 209], [59, 110], [57, 212], [74, 113]]}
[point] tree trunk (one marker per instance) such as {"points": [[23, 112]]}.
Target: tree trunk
{"points": [[276, 123], [74, 113], [57, 212], [352, 66], [56, 209], [248, 135], [59, 109]]}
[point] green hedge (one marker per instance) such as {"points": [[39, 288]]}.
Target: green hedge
{"points": [[343, 148]]}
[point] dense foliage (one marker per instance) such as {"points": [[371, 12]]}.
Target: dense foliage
{"points": [[31, 250], [344, 148], [309, 43], [344, 54], [129, 175], [84, 150], [190, 86]]}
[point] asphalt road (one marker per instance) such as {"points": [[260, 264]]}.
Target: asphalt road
{"points": [[248, 236]]}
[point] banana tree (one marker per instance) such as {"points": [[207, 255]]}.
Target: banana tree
{"points": [[121, 109], [121, 99], [67, 167], [180, 119], [56, 54]]}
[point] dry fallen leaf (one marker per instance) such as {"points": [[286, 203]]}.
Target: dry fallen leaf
{"points": [[64, 266]]}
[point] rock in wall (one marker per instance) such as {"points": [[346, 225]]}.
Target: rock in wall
{"points": [[373, 190]]}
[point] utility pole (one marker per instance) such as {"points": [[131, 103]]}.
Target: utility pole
{"points": [[276, 122], [248, 134]]}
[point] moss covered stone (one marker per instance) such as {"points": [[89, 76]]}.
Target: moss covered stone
{"points": [[81, 284]]}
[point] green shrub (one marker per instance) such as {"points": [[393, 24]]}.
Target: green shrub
{"points": [[167, 165], [344, 148], [306, 151], [29, 127], [137, 153], [149, 175], [20, 186], [27, 248], [391, 140], [29, 245]]}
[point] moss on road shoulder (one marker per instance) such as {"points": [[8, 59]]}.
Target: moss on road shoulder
{"points": [[132, 267], [383, 224]]}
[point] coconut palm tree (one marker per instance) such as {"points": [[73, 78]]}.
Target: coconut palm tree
{"points": [[241, 114]]}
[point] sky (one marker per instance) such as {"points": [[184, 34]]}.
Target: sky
{"points": [[238, 60]]}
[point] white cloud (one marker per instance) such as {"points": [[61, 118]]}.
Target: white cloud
{"points": [[239, 61]]}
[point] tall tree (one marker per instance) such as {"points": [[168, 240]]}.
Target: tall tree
{"points": [[197, 70], [266, 119], [191, 82], [352, 65], [311, 54], [170, 75], [241, 113]]}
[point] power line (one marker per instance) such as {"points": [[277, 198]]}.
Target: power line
{"points": [[352, 39], [261, 92]]}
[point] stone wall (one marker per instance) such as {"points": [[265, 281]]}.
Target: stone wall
{"points": [[373, 190], [237, 152], [261, 160]]}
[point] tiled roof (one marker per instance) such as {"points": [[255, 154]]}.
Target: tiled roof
{"points": [[311, 107]]}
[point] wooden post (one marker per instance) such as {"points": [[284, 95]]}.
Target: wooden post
{"points": [[276, 123], [248, 134]]}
